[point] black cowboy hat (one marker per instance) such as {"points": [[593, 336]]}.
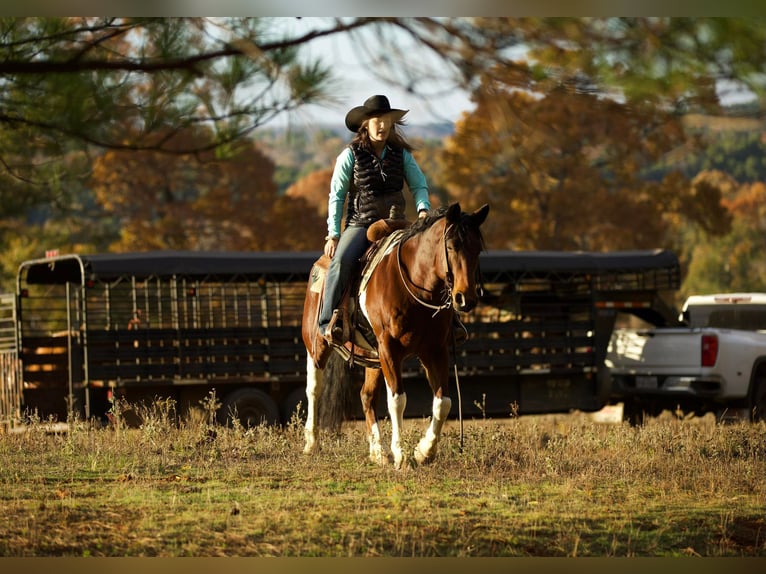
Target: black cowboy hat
{"points": [[373, 106]]}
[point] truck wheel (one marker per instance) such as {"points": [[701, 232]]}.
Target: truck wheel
{"points": [[758, 400], [252, 407], [295, 401]]}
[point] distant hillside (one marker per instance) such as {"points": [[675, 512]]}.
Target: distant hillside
{"points": [[430, 131], [723, 123], [734, 143], [434, 131]]}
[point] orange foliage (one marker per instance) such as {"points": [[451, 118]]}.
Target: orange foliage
{"points": [[201, 202], [749, 203], [314, 189], [563, 172]]}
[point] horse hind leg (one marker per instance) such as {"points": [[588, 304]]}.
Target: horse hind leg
{"points": [[313, 391], [369, 395], [426, 448]]}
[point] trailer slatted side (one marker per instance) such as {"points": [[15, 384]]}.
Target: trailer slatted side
{"points": [[10, 377], [184, 323]]}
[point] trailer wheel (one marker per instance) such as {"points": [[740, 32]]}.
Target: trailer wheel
{"points": [[758, 400], [295, 401], [633, 413], [252, 407]]}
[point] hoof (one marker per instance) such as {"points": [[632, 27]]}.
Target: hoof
{"points": [[423, 457], [377, 457], [311, 446]]}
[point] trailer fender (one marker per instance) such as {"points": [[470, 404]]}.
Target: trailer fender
{"points": [[252, 407]]}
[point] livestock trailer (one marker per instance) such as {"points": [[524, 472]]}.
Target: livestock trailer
{"points": [[91, 328]]}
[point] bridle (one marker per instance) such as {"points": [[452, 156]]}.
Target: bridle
{"points": [[448, 280]]}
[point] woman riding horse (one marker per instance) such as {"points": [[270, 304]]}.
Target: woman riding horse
{"points": [[371, 171]]}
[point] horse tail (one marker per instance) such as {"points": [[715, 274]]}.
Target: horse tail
{"points": [[336, 401]]}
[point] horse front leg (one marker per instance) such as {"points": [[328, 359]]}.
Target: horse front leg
{"points": [[369, 395], [391, 365], [396, 404], [426, 449], [313, 390], [437, 371]]}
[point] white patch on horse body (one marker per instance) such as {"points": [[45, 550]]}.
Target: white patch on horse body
{"points": [[313, 390], [363, 304]]}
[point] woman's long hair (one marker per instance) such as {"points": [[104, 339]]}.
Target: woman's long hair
{"points": [[395, 138]]}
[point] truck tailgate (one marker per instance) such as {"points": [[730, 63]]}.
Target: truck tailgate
{"points": [[666, 349]]}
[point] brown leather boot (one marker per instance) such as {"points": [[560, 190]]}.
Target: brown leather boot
{"points": [[321, 352]]}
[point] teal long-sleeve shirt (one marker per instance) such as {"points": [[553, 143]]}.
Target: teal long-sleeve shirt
{"points": [[341, 182]]}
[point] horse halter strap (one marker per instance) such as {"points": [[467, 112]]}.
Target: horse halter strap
{"points": [[448, 279]]}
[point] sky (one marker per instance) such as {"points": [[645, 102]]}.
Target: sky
{"points": [[358, 82]]}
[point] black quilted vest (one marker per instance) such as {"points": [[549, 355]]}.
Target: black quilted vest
{"points": [[376, 187]]}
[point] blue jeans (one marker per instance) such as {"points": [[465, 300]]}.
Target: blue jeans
{"points": [[351, 246]]}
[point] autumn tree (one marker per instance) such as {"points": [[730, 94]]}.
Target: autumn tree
{"points": [[314, 189], [201, 201], [77, 83], [564, 171], [735, 261], [563, 138]]}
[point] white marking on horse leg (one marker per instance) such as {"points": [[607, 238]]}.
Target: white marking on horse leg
{"points": [[426, 448], [396, 404], [313, 389], [376, 448]]}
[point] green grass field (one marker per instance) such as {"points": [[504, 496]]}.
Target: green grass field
{"points": [[558, 485]]}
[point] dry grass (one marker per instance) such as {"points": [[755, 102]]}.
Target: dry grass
{"points": [[533, 486]]}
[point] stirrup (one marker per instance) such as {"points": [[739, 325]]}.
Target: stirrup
{"points": [[334, 332]]}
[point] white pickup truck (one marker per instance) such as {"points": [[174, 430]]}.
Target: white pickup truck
{"points": [[714, 361]]}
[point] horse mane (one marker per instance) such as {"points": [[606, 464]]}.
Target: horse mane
{"points": [[423, 223], [460, 230]]}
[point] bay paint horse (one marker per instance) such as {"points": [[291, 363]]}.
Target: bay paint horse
{"points": [[409, 301]]}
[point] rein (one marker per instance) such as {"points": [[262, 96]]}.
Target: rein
{"points": [[457, 388], [448, 279]]}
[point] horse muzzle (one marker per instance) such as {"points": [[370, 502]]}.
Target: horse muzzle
{"points": [[462, 303]]}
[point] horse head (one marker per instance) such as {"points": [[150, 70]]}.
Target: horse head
{"points": [[463, 243]]}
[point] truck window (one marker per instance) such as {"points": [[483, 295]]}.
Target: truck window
{"points": [[744, 318]]}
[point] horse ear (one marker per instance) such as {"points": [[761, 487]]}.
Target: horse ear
{"points": [[480, 214], [453, 213]]}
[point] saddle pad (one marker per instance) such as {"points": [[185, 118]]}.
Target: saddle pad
{"points": [[384, 247]]}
